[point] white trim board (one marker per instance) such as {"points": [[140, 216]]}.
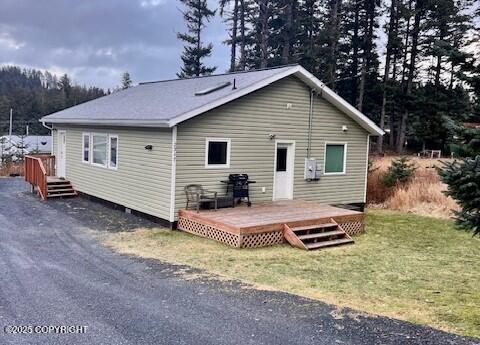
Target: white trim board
{"points": [[345, 147], [229, 147], [366, 169], [309, 79]]}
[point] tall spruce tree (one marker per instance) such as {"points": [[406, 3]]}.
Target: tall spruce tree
{"points": [[196, 15], [308, 31], [232, 19], [392, 30], [420, 94], [332, 36], [126, 81]]}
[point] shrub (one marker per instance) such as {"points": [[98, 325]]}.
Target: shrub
{"points": [[463, 180], [401, 171]]}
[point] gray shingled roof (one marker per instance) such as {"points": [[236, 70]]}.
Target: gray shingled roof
{"points": [[162, 100]]}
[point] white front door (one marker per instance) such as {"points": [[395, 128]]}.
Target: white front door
{"points": [[61, 153], [284, 163]]}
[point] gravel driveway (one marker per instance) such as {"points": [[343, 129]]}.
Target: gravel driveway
{"points": [[53, 272]]}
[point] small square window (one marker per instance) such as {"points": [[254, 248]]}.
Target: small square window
{"points": [[335, 158], [217, 153]]}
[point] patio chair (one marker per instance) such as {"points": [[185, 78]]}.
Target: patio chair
{"points": [[195, 193]]}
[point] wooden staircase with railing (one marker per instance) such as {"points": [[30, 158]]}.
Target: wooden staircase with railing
{"points": [[317, 236], [40, 173]]}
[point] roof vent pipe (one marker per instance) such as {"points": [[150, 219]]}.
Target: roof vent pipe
{"points": [[234, 84]]}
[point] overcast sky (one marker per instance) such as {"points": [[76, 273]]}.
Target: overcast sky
{"points": [[95, 41]]}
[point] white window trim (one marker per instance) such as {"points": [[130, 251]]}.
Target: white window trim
{"points": [[89, 147], [110, 136], [345, 145], [217, 166]]}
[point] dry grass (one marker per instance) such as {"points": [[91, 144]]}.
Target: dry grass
{"points": [[406, 266], [11, 168], [423, 195]]}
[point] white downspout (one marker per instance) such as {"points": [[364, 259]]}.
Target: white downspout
{"points": [[51, 134], [310, 124], [173, 174]]}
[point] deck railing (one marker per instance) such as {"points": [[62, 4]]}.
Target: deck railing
{"points": [[37, 169]]}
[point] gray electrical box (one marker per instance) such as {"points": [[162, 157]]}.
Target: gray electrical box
{"points": [[311, 169]]}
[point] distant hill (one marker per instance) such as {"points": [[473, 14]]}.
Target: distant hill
{"points": [[33, 94]]}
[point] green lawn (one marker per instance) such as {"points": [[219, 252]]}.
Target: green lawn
{"points": [[410, 267]]}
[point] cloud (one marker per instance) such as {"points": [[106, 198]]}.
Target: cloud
{"points": [[95, 41], [151, 3]]}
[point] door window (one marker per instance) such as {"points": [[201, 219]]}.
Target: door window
{"points": [[282, 159]]}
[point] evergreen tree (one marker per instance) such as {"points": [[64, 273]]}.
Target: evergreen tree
{"points": [[308, 31], [196, 15], [33, 94], [232, 19], [420, 94], [283, 29], [65, 85], [332, 35], [463, 181], [126, 81]]}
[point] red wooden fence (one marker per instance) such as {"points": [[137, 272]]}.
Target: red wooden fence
{"points": [[37, 169]]}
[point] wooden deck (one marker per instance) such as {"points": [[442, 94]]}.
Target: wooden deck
{"points": [[263, 224]]}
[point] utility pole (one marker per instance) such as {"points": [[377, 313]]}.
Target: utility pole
{"points": [[26, 131], [11, 123]]}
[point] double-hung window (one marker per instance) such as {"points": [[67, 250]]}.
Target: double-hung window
{"points": [[112, 151], [100, 149], [335, 158], [86, 147], [217, 153]]}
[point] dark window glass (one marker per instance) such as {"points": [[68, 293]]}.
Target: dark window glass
{"points": [[113, 152], [217, 152], [334, 158], [281, 159]]}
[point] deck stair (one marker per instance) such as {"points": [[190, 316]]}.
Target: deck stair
{"points": [[59, 187], [317, 236]]}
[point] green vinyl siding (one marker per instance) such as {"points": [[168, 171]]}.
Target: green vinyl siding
{"points": [[334, 158], [141, 180], [281, 109]]}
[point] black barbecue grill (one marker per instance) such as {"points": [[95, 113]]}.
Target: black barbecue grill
{"points": [[239, 184]]}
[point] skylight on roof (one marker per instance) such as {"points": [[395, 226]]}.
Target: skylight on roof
{"points": [[212, 89]]}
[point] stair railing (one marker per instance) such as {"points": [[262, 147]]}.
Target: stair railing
{"points": [[37, 170]]}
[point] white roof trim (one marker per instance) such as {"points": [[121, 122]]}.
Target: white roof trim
{"points": [[113, 122], [337, 101], [200, 110], [308, 79]]}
